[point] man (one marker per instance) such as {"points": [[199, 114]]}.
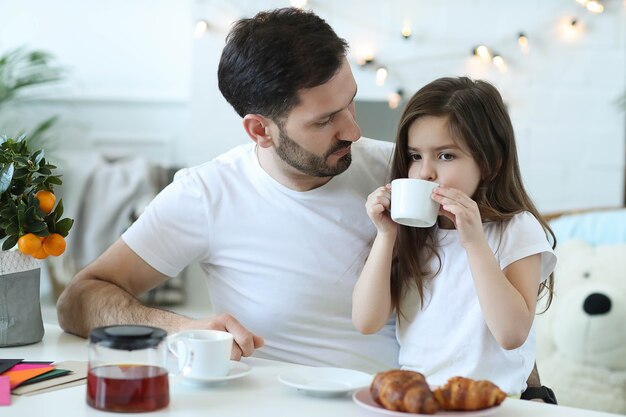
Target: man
{"points": [[279, 225]]}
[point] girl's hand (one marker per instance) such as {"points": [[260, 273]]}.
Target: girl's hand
{"points": [[462, 211], [378, 205]]}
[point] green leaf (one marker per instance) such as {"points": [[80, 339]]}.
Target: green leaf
{"points": [[6, 175], [38, 156], [6, 215], [10, 242], [63, 227], [29, 216], [44, 171], [13, 229], [21, 173], [54, 180], [21, 208], [18, 189], [37, 227], [58, 211], [6, 212]]}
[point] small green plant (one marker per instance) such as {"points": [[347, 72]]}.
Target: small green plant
{"points": [[28, 216]]}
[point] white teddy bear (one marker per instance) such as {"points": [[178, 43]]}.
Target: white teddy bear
{"points": [[581, 339]]}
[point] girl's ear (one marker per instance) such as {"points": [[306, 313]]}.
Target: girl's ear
{"points": [[257, 127]]}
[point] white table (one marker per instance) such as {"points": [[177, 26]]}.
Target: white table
{"points": [[257, 394]]}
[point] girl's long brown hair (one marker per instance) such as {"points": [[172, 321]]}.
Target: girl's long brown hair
{"points": [[478, 120]]}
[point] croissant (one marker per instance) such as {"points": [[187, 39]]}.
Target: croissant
{"points": [[407, 391], [466, 394]]}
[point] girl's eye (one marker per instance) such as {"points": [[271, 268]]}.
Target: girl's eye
{"points": [[446, 156], [414, 157]]}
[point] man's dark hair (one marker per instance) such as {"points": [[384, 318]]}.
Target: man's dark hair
{"points": [[270, 57]]}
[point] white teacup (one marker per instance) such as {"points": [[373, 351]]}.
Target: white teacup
{"points": [[411, 202], [209, 351]]}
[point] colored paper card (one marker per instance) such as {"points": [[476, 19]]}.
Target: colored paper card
{"points": [[53, 388], [6, 364], [17, 377], [55, 373], [5, 390], [24, 366], [77, 376]]}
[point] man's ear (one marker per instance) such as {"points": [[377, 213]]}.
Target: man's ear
{"points": [[257, 127]]}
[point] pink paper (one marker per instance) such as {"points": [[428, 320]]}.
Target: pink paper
{"points": [[5, 390], [25, 366]]}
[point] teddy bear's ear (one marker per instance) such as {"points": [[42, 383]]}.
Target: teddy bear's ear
{"points": [[571, 248]]}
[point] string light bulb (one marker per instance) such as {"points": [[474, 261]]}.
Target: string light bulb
{"points": [[364, 53], [406, 29], [498, 61], [594, 6], [364, 61], [202, 26], [570, 28], [394, 99], [483, 53], [522, 40], [298, 3], [381, 76]]}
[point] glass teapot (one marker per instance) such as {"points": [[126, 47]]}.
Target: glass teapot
{"points": [[128, 369]]}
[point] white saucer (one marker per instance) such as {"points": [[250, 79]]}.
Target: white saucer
{"points": [[237, 370], [364, 399], [326, 382]]}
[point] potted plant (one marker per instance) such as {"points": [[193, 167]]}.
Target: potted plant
{"points": [[31, 229]]}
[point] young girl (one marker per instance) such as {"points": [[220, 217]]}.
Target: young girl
{"points": [[464, 290]]}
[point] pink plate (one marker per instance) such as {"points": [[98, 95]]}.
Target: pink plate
{"points": [[364, 399]]}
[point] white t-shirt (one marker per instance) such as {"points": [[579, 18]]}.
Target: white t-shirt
{"points": [[283, 262], [449, 336]]}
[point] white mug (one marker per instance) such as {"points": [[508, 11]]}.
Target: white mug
{"points": [[208, 350], [411, 202]]}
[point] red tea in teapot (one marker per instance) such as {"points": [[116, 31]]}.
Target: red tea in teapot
{"points": [[128, 388]]}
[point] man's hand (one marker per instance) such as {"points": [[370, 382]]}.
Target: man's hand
{"points": [[245, 341]]}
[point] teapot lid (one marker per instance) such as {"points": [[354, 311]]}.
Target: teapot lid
{"points": [[127, 337]]}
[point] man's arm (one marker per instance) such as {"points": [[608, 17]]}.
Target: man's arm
{"points": [[105, 293]]}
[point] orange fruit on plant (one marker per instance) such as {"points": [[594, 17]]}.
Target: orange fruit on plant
{"points": [[39, 253], [29, 244], [46, 200], [54, 244]]}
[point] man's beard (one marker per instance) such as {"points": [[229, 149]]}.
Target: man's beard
{"points": [[309, 163]]}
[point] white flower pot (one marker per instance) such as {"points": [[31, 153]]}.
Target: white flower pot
{"points": [[20, 307]]}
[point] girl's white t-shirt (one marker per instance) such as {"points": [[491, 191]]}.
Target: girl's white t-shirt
{"points": [[448, 336]]}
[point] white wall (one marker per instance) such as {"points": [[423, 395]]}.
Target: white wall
{"points": [[138, 75], [561, 95], [127, 67]]}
